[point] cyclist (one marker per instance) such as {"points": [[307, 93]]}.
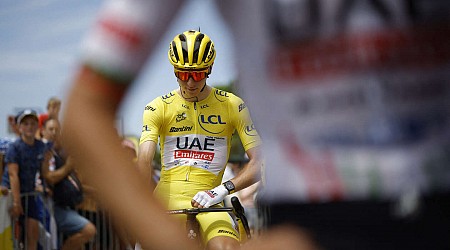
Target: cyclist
{"points": [[195, 124]]}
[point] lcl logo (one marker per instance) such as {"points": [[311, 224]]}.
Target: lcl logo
{"points": [[221, 93], [210, 123], [167, 98], [250, 130], [212, 119]]}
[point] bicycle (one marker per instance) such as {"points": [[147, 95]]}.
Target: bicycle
{"points": [[192, 225]]}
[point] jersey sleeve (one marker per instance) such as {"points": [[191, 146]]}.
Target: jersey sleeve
{"points": [[152, 121], [244, 124]]}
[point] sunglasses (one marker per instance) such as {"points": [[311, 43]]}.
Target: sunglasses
{"points": [[196, 75]]}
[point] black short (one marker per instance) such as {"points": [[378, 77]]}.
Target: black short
{"points": [[368, 224]]}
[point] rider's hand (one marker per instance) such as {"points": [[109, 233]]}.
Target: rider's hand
{"points": [[209, 197]]}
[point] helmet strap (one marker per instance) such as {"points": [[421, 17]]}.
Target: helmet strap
{"points": [[210, 69], [207, 76], [203, 88]]}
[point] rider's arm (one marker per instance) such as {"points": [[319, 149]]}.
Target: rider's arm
{"points": [[251, 142], [251, 173], [151, 122], [146, 153]]}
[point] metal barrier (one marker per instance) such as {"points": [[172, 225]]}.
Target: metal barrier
{"points": [[106, 237], [18, 226]]}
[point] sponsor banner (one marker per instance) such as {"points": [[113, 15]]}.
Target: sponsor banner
{"points": [[358, 110], [206, 152]]}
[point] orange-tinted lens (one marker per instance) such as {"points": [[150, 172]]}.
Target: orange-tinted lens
{"points": [[185, 75], [198, 76]]}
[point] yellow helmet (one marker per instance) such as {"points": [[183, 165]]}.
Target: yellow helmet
{"points": [[192, 50]]}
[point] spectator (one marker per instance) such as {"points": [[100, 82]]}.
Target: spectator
{"points": [[53, 109], [24, 158], [4, 144], [78, 229]]}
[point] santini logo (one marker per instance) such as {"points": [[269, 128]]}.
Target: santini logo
{"points": [[242, 106], [181, 129], [150, 108]]}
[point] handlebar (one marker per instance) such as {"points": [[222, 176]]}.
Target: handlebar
{"points": [[196, 210], [237, 210]]}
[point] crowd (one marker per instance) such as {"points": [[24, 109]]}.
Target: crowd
{"points": [[43, 184], [40, 178]]}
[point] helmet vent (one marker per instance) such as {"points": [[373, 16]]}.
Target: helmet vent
{"points": [[207, 48], [184, 47], [175, 51], [198, 42], [199, 38]]}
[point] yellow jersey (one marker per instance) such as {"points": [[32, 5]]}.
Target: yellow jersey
{"points": [[195, 137]]}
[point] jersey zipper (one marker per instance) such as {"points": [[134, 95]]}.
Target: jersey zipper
{"points": [[188, 172]]}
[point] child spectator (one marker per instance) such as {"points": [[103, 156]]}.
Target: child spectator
{"points": [[23, 159]]}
